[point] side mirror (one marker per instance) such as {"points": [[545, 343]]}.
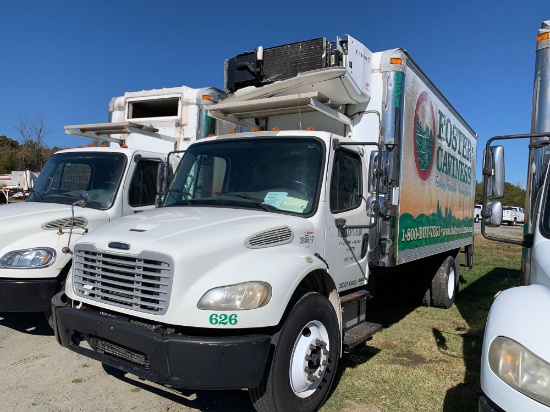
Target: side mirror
{"points": [[162, 183], [493, 214], [493, 168], [383, 175], [83, 199]]}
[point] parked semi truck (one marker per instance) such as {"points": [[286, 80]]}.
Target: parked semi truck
{"points": [[37, 236], [515, 363], [256, 271]]}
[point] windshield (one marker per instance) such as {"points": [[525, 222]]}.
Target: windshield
{"points": [[273, 174], [66, 175]]}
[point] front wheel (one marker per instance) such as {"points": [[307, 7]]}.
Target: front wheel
{"points": [[305, 359]]}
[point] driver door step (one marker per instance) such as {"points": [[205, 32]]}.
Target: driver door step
{"points": [[360, 333]]}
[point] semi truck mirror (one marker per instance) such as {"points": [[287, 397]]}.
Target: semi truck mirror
{"points": [[83, 199], [493, 214], [162, 183], [493, 167], [383, 175]]}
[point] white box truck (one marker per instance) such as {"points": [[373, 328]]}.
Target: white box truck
{"points": [[515, 362], [120, 179], [256, 271]]}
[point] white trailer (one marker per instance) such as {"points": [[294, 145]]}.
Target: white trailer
{"points": [[256, 272], [515, 362], [37, 236]]}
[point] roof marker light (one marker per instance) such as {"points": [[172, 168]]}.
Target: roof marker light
{"points": [[310, 128], [543, 36], [396, 60]]}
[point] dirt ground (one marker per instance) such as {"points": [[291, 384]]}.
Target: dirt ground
{"points": [[36, 374]]}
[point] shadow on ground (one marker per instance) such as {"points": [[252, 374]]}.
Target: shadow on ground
{"points": [[29, 323]]}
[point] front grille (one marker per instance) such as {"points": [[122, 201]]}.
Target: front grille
{"points": [[140, 283], [110, 348]]}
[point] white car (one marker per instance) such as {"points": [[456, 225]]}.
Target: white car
{"points": [[477, 213]]}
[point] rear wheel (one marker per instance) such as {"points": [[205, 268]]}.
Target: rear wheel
{"points": [[304, 361], [444, 284]]}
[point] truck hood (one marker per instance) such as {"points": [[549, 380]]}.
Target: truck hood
{"points": [[19, 220], [188, 230]]}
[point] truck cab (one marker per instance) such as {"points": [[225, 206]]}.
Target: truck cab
{"points": [[119, 178]]}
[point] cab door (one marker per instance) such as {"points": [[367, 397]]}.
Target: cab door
{"points": [[140, 187], [347, 249]]}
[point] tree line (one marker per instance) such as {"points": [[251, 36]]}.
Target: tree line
{"points": [[30, 151], [514, 195]]}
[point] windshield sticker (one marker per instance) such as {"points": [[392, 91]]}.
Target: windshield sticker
{"points": [[294, 205], [275, 199]]}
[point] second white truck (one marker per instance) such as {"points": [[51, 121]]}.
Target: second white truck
{"points": [[37, 236], [515, 362], [256, 271]]}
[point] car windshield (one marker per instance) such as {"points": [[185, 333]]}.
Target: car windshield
{"points": [[66, 175], [272, 174]]}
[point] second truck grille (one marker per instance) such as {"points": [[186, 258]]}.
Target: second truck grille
{"points": [[140, 283]]}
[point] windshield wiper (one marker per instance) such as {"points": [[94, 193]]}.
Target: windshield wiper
{"points": [[257, 201], [185, 195]]}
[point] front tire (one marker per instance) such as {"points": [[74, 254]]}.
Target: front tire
{"points": [[304, 361], [445, 284]]}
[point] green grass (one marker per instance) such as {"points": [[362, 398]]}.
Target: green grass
{"points": [[427, 359]]}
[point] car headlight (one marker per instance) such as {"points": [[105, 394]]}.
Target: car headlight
{"points": [[28, 258], [520, 368], [242, 296]]}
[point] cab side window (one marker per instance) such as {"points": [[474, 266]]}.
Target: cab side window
{"points": [[345, 184], [143, 187]]}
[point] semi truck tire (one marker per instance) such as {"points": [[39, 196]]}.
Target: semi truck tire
{"points": [[304, 361], [444, 284]]}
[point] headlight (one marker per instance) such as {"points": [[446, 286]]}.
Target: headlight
{"points": [[520, 368], [28, 258], [243, 296]]}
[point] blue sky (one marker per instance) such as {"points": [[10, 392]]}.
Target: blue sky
{"points": [[67, 59]]}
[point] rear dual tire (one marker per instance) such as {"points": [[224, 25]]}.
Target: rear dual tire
{"points": [[441, 289]]}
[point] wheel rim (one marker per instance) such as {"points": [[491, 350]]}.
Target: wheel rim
{"points": [[309, 359], [451, 283]]}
